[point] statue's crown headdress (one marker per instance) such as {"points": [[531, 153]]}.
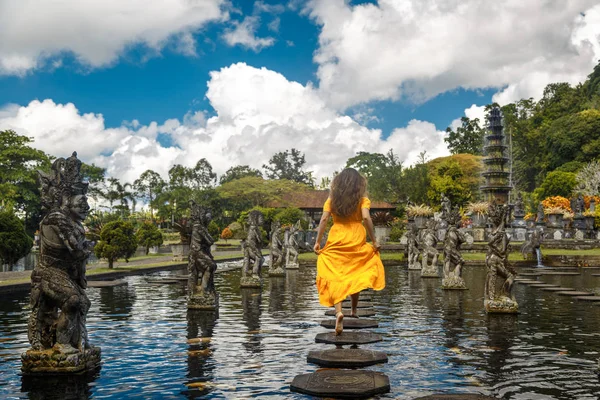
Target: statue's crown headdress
{"points": [[64, 179]]}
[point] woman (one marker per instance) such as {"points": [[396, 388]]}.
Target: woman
{"points": [[347, 264]]}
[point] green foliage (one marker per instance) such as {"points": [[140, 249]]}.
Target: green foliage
{"points": [[416, 181], [556, 183], [238, 230], [148, 235], [468, 138], [291, 215], [383, 173], [253, 191], [238, 172], [213, 229], [117, 240], [14, 242], [571, 166], [398, 228], [457, 176], [288, 165], [148, 186]]}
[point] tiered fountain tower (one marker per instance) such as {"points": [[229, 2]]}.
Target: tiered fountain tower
{"points": [[497, 174]]}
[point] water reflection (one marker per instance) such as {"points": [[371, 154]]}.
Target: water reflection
{"points": [[65, 387], [276, 294], [251, 299], [201, 366], [117, 302]]}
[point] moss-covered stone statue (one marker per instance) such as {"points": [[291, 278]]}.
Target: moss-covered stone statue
{"points": [[253, 258], [201, 265], [292, 247], [496, 261], [276, 247], [429, 252], [453, 260], [59, 305]]}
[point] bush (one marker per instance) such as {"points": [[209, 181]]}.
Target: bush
{"points": [[117, 240], [556, 183], [238, 230], [213, 229], [398, 228], [557, 202], [290, 216], [14, 242], [267, 212], [149, 236], [226, 234]]}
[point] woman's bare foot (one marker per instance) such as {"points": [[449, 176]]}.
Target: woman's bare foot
{"points": [[339, 323], [353, 313]]}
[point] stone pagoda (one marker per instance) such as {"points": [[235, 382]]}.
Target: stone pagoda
{"points": [[497, 173]]}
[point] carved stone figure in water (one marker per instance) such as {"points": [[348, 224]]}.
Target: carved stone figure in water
{"points": [[532, 245], [59, 305], [412, 244], [201, 265], [496, 261], [253, 258], [453, 260], [277, 259], [292, 246], [429, 252]]}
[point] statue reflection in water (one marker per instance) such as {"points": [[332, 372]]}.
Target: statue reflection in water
{"points": [[453, 320], [502, 330], [251, 300], [117, 302], [67, 387], [200, 327], [277, 295]]}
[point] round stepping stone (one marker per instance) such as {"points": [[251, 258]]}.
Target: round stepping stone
{"points": [[561, 273], [346, 358], [529, 274], [588, 298], [101, 284], [351, 323], [348, 338], [557, 289], [526, 281], [361, 313], [575, 293], [542, 285], [341, 384], [361, 304]]}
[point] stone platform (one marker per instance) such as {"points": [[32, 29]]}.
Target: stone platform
{"points": [[250, 282], [59, 360], [346, 358], [361, 312], [361, 304], [347, 338], [342, 384], [557, 289], [574, 293], [588, 298], [351, 323]]}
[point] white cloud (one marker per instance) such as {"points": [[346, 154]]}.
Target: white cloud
{"points": [[35, 33], [258, 113], [244, 34], [417, 49]]}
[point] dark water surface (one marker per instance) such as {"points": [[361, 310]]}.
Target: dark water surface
{"points": [[437, 341]]}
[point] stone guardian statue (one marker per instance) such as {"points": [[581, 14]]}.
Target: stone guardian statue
{"points": [[496, 261], [429, 252], [59, 305], [412, 244], [292, 247], [202, 294], [453, 260], [253, 258], [277, 260]]}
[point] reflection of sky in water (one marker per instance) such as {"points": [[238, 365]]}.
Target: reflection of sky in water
{"points": [[152, 347]]}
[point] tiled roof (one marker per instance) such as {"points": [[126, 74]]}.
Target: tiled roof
{"points": [[315, 199]]}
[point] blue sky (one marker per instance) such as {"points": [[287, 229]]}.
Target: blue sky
{"points": [[372, 76]]}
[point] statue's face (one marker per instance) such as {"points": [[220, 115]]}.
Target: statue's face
{"points": [[79, 207]]}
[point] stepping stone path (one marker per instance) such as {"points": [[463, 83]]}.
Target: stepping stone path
{"points": [[345, 383], [530, 274], [561, 273], [158, 281], [101, 284], [558, 289], [526, 281], [575, 293], [588, 298], [361, 312], [542, 285]]}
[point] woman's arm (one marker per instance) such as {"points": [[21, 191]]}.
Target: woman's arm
{"points": [[321, 231], [366, 215]]}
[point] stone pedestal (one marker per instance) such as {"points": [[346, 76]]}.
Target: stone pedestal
{"points": [[277, 272], [250, 282], [519, 234], [501, 305], [181, 252], [415, 266], [479, 220], [555, 221], [429, 271], [519, 222], [454, 282], [579, 223], [420, 222], [292, 265], [382, 233], [479, 234], [60, 360], [556, 234], [202, 301], [579, 234]]}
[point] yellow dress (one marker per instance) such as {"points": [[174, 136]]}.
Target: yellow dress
{"points": [[347, 264]]}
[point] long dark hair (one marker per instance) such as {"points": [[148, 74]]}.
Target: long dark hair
{"points": [[347, 188]]}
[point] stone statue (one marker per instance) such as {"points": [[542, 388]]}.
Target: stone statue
{"points": [[592, 204], [453, 261], [429, 252], [540, 214], [413, 248], [496, 261], [201, 266], [59, 305], [579, 206], [446, 206], [519, 210], [532, 245], [253, 258], [276, 246], [291, 247]]}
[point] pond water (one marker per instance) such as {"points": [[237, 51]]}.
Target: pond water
{"points": [[436, 341]]}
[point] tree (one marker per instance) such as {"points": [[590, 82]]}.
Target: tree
{"points": [[148, 235], [556, 183], [94, 175], [251, 191], [288, 165], [383, 173], [291, 215], [226, 234], [588, 179], [202, 175], [237, 172], [117, 240], [14, 242], [468, 138], [148, 186], [416, 181], [213, 229]]}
